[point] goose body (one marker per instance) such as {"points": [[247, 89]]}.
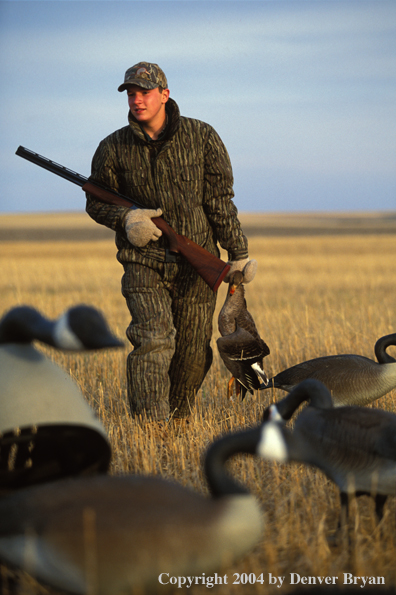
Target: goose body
{"points": [[43, 412], [354, 446], [351, 379], [240, 345], [114, 534]]}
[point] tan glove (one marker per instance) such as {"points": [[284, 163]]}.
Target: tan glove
{"points": [[139, 228], [247, 266]]}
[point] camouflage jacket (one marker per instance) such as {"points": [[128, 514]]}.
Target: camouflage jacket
{"points": [[187, 174]]}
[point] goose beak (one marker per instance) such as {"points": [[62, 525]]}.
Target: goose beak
{"points": [[110, 341]]}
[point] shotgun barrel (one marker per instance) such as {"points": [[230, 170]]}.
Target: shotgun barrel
{"points": [[208, 266]]}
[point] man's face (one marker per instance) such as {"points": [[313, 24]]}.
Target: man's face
{"points": [[147, 105]]}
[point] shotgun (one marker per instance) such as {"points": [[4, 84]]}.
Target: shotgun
{"points": [[208, 266]]}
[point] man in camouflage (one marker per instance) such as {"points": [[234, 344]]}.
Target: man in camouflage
{"points": [[179, 167]]}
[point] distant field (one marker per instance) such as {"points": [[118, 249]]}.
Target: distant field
{"points": [[79, 226]]}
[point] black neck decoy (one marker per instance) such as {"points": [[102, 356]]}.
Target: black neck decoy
{"points": [[113, 535], [48, 430], [354, 446], [351, 379], [240, 345]]}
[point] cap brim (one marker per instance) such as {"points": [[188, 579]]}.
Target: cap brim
{"points": [[144, 84]]}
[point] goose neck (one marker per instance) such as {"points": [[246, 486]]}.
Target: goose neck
{"points": [[219, 480], [381, 346], [309, 390]]}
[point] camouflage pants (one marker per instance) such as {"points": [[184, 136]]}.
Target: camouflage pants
{"points": [[172, 311]]}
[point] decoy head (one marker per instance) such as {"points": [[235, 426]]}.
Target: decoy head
{"points": [[380, 349], [88, 327], [311, 390], [23, 324], [79, 328]]}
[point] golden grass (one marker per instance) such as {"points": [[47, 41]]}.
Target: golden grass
{"points": [[312, 296]]}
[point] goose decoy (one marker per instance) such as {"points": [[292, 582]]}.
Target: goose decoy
{"points": [[80, 328], [47, 429], [112, 535], [354, 446], [240, 345], [351, 379]]}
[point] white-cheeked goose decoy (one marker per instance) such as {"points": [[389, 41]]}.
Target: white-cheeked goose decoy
{"points": [[112, 535], [240, 345], [351, 379], [79, 328], [47, 428], [354, 446]]}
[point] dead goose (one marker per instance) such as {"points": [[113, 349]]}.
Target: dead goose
{"points": [[354, 446], [240, 345], [351, 379], [47, 429], [113, 534]]}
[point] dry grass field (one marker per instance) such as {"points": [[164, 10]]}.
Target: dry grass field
{"points": [[316, 293]]}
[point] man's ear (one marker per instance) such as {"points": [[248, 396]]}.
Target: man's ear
{"points": [[165, 95]]}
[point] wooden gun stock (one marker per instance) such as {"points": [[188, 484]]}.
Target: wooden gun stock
{"points": [[208, 266]]}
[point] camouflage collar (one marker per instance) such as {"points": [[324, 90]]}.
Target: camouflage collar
{"points": [[173, 115]]}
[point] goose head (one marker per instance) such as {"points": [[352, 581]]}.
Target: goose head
{"points": [[380, 349], [310, 390], [236, 280], [80, 328]]}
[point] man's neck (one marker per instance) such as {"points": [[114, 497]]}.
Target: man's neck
{"points": [[155, 129]]}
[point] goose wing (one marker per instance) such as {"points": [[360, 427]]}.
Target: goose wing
{"points": [[331, 370], [351, 441], [362, 429], [243, 356]]}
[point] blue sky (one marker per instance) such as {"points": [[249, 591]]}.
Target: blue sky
{"points": [[303, 93]]}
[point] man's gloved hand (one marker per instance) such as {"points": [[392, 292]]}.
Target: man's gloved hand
{"points": [[247, 266], [139, 228]]}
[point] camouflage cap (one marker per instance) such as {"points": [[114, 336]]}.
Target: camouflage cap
{"points": [[146, 75]]}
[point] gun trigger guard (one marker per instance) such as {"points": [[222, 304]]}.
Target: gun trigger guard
{"points": [[170, 256]]}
